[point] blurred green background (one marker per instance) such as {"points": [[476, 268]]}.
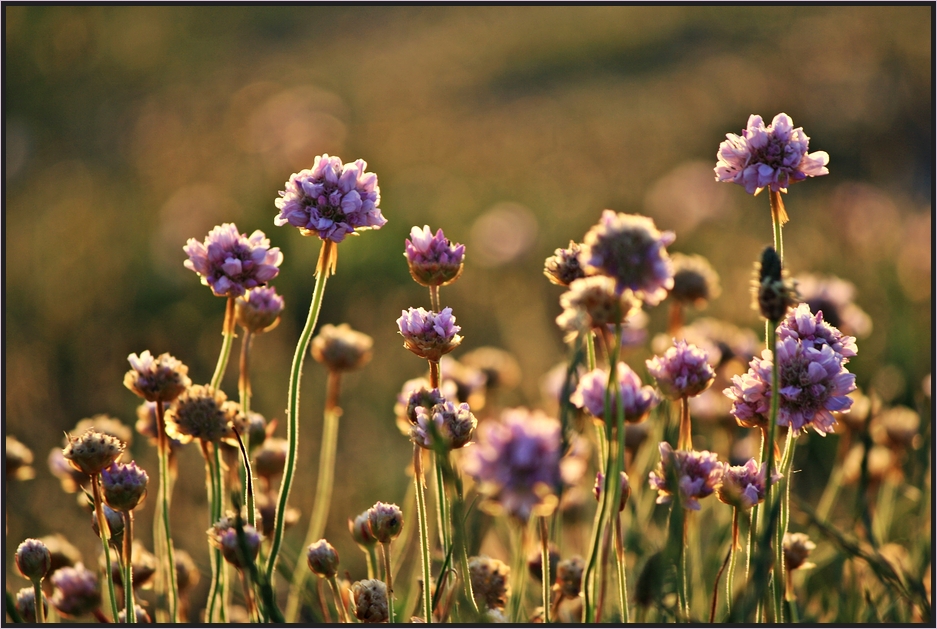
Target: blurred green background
{"points": [[131, 129]]}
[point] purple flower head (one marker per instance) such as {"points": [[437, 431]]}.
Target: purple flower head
{"points": [[322, 559], [385, 522], [223, 536], [259, 310], [636, 398], [774, 156], [26, 605], [33, 559], [834, 298], [429, 334], [697, 475], [517, 462], [630, 249], [453, 425], [814, 385], [331, 200], [161, 378], [563, 266], [433, 260], [594, 302], [599, 487], [124, 486], [683, 371], [813, 331], [76, 591], [202, 413], [230, 262], [743, 486]]}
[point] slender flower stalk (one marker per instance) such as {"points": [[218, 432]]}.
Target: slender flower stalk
{"points": [[424, 532], [128, 567], [104, 531], [519, 572], [161, 522], [545, 568], [34, 561]]}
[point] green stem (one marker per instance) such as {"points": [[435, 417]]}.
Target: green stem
{"points": [[104, 532], [216, 601], [244, 392], [424, 532], [371, 559], [622, 576], [336, 592], [681, 572], [167, 563], [228, 333], [325, 482], [730, 577], [292, 424], [778, 218], [128, 567], [772, 585], [518, 574], [389, 575], [590, 350], [38, 603], [545, 568], [442, 504]]}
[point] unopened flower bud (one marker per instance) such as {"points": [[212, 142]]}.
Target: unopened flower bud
{"points": [[490, 581], [774, 294], [340, 348], [370, 600], [115, 524], [360, 529], [223, 536], [385, 521], [92, 452], [76, 591], [259, 310], [33, 559], [26, 605], [322, 559], [124, 486], [569, 576], [797, 547]]}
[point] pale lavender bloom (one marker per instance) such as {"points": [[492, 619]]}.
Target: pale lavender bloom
{"points": [[429, 334], [433, 260], [698, 473], [834, 298], [76, 590], [156, 379], [636, 398], [814, 385], [259, 310], [683, 371], [774, 156], [563, 266], [232, 263], [743, 486], [517, 461], [223, 536], [594, 302], [453, 425], [331, 200], [811, 329], [124, 485], [630, 249]]}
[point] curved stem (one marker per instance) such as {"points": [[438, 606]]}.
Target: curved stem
{"points": [[104, 532], [424, 532], [128, 567], [292, 424], [244, 393], [167, 563], [324, 484], [545, 568]]}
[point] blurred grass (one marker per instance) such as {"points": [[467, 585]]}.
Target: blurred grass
{"points": [[132, 129]]}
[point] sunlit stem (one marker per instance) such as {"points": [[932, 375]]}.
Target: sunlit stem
{"points": [[38, 602], [389, 576], [685, 441], [769, 455], [372, 563], [327, 254], [128, 567], [424, 532], [622, 570], [325, 482], [167, 563], [545, 568], [337, 593], [590, 349], [228, 333], [682, 589], [733, 555], [244, 392], [442, 504], [778, 218], [105, 534], [518, 573], [216, 598]]}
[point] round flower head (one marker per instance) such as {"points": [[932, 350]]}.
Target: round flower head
{"points": [[813, 331], [697, 475], [517, 462], [19, 458], [600, 486], [259, 310], [636, 398], [161, 379], [331, 200], [33, 559], [694, 280], [834, 298], [768, 157], [414, 393], [201, 413], [360, 529], [461, 382], [139, 613], [370, 596], [92, 451], [453, 425], [124, 486], [563, 267], [569, 577], [76, 591], [490, 581], [342, 349], [115, 525], [385, 521], [797, 547], [899, 428], [230, 262], [743, 486], [187, 575], [433, 260], [428, 334], [682, 371], [630, 249], [322, 559], [223, 536], [594, 302], [270, 458], [26, 605], [500, 368], [814, 385]]}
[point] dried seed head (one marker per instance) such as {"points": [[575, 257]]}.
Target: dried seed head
{"points": [[385, 521], [92, 452], [202, 413], [694, 280], [797, 547], [33, 559], [490, 581], [340, 348], [322, 559], [370, 600]]}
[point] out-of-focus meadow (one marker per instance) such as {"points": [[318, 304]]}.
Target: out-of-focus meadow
{"points": [[131, 129]]}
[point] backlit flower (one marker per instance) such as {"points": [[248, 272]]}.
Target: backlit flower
{"points": [[156, 379], [124, 486], [223, 535], [490, 581], [697, 475], [232, 263], [594, 302], [201, 413], [743, 486], [340, 348], [812, 330], [683, 371], [76, 591], [453, 425], [92, 451], [694, 280], [433, 260], [429, 334], [637, 398], [563, 266], [259, 310]]}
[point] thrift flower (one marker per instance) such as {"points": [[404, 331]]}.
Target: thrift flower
{"points": [[453, 425], [774, 156], [385, 521], [340, 348], [331, 200], [569, 577], [223, 536], [231, 263], [630, 249], [76, 591], [743, 486], [322, 559], [812, 330], [33, 559], [797, 547], [26, 605], [814, 385], [433, 260], [429, 334], [697, 475], [360, 529], [694, 280], [599, 487], [517, 462], [636, 398], [834, 298], [683, 371], [563, 267], [594, 302], [92, 452], [490, 581], [201, 413], [259, 310], [124, 486], [160, 379], [370, 597]]}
